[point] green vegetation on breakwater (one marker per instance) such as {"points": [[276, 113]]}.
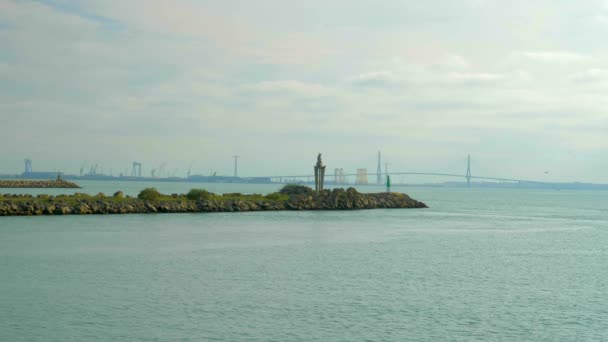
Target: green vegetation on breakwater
{"points": [[291, 197], [148, 194]]}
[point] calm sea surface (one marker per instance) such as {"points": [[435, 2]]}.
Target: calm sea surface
{"points": [[479, 265]]}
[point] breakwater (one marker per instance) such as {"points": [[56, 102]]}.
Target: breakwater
{"points": [[201, 201], [24, 183]]}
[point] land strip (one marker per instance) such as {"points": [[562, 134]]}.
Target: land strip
{"points": [[200, 201], [24, 183]]}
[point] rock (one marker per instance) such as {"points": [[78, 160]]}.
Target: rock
{"points": [[63, 210], [84, 209], [242, 206]]}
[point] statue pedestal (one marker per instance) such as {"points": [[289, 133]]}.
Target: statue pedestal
{"points": [[319, 177]]}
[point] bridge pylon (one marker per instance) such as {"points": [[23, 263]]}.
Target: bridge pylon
{"points": [[379, 171], [136, 170], [468, 176]]}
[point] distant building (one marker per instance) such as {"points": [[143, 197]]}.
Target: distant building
{"points": [[339, 177], [361, 177]]}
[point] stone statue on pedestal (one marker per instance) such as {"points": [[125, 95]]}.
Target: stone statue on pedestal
{"points": [[319, 174]]}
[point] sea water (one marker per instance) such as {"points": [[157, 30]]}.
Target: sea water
{"points": [[478, 265]]}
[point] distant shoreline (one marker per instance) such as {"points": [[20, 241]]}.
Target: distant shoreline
{"points": [[43, 184], [267, 181], [200, 201]]}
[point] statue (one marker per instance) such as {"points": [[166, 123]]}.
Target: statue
{"points": [[319, 174]]}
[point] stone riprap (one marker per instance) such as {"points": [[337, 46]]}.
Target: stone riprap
{"points": [[25, 183], [80, 204]]}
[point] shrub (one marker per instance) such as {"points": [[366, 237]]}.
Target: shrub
{"points": [[295, 189], [275, 196], [149, 194], [118, 194], [198, 194]]}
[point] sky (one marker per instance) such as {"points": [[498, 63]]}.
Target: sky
{"points": [[520, 86]]}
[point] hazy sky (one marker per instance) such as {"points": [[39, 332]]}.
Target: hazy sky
{"points": [[520, 85]]}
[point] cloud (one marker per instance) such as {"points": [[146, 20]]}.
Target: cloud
{"points": [[288, 49], [522, 76], [601, 19], [178, 18], [474, 78], [590, 75], [552, 56], [374, 79], [453, 62], [290, 86], [476, 3], [195, 23]]}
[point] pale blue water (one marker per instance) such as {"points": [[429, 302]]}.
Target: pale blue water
{"points": [[479, 265]]}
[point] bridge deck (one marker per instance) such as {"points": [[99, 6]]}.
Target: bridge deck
{"points": [[418, 174]]}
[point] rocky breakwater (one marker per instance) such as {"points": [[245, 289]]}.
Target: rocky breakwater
{"points": [[350, 199], [150, 201], [24, 183]]}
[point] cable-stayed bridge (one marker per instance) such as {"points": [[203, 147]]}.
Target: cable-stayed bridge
{"points": [[380, 176], [330, 178]]}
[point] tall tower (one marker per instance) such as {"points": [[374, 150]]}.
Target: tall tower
{"points": [[28, 165], [468, 176], [379, 170], [236, 169]]}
